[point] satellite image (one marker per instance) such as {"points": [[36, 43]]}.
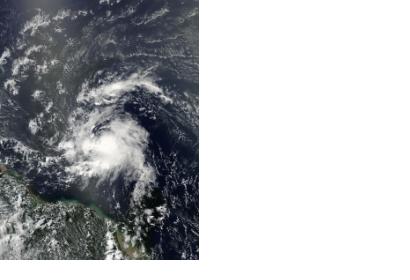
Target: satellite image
{"points": [[99, 129]]}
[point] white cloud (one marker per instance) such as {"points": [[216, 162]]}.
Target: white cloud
{"points": [[33, 49], [22, 62], [103, 145], [37, 94], [109, 92], [62, 14], [33, 126], [11, 86], [39, 20], [119, 147], [3, 58]]}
